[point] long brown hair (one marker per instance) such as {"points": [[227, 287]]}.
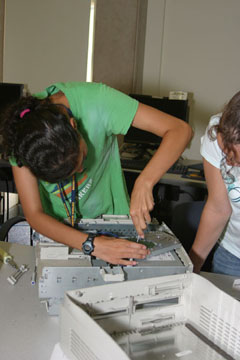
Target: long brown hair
{"points": [[229, 125]]}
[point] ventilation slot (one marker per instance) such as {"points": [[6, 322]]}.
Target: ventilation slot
{"points": [[79, 349], [220, 331]]}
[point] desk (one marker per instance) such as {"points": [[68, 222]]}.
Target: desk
{"points": [[175, 179], [171, 190], [27, 331], [7, 182]]}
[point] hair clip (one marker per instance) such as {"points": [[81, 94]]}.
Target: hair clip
{"points": [[24, 112]]}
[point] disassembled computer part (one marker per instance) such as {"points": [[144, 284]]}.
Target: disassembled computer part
{"points": [[60, 269]]}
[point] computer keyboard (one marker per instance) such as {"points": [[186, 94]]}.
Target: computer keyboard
{"points": [[178, 168], [136, 157]]}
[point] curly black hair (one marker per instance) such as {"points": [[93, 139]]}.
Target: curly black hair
{"points": [[42, 140]]}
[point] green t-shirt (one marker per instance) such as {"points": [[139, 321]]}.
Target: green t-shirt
{"points": [[101, 113]]}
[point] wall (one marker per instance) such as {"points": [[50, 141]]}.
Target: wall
{"points": [[192, 45], [45, 41], [119, 43], [2, 5]]}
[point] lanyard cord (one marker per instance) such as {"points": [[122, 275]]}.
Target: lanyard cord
{"points": [[73, 199]]}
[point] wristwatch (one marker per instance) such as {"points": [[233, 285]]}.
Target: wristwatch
{"points": [[88, 246]]}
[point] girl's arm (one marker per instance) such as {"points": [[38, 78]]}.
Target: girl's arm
{"points": [[175, 134], [112, 250], [215, 215]]}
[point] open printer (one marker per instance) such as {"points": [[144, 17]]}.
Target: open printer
{"points": [[181, 316], [158, 309]]}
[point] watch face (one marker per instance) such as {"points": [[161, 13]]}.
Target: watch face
{"points": [[88, 246]]}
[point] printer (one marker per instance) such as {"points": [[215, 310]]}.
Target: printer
{"points": [[181, 316]]}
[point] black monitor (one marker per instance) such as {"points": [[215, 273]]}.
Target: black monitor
{"points": [[178, 108], [9, 93]]}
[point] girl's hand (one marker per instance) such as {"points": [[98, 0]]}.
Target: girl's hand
{"points": [[142, 203], [118, 251]]}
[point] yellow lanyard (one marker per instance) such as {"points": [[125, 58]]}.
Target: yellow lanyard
{"points": [[71, 216]]}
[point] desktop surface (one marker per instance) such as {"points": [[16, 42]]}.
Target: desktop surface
{"points": [[28, 332], [136, 156]]}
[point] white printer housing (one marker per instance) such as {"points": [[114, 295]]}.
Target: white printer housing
{"points": [[181, 316]]}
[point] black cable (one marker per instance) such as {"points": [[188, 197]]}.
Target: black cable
{"points": [[7, 188], [3, 207], [31, 236]]}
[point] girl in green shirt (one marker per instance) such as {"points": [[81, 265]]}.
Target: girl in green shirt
{"points": [[62, 145]]}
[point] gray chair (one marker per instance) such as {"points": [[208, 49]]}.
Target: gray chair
{"points": [[10, 224]]}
